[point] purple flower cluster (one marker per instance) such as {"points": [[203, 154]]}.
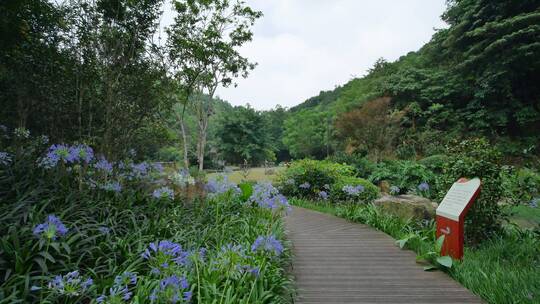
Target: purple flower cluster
{"points": [[172, 289], [353, 190], [267, 196], [255, 271], [268, 244], [305, 185], [104, 230], [323, 195], [81, 153], [104, 165], [60, 153], [140, 169], [70, 284], [290, 181], [113, 186], [423, 187], [163, 253], [120, 289], [51, 228], [394, 190], [163, 193], [221, 185], [534, 202], [5, 159], [158, 167]]}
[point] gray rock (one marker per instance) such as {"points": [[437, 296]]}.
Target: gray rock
{"points": [[407, 206]]}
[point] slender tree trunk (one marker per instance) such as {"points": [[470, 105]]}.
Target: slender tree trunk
{"points": [[185, 143], [204, 115], [202, 144]]}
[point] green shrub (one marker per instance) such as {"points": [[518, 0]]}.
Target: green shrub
{"points": [[477, 158], [362, 165], [305, 178], [369, 193], [407, 175], [434, 163], [520, 186]]}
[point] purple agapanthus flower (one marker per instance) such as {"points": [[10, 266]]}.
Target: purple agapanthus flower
{"points": [[70, 284], [394, 190], [305, 185], [268, 244], [116, 294], [5, 159], [55, 154], [172, 289], [112, 186], [158, 167], [423, 186], [353, 190], [267, 196], [221, 185], [163, 193], [104, 229], [104, 165], [166, 251], [140, 169], [51, 228], [120, 289], [80, 153], [323, 195], [126, 278], [251, 270], [534, 202]]}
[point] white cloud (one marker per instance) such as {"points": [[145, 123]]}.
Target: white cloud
{"points": [[305, 46]]}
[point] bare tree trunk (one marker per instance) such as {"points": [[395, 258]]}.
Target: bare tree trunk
{"points": [[185, 131], [204, 114], [185, 143], [202, 143]]}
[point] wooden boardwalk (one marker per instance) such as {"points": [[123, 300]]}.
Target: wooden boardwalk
{"points": [[336, 261]]}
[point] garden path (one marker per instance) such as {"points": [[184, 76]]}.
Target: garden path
{"points": [[337, 261]]}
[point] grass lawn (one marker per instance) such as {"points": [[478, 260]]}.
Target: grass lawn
{"points": [[501, 270], [255, 174], [525, 216]]}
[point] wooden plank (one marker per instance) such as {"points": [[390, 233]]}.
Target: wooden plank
{"points": [[336, 261]]}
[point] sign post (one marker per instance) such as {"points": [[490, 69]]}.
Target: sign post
{"points": [[451, 215]]}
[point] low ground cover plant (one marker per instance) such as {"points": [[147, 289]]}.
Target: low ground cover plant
{"points": [[78, 228]]}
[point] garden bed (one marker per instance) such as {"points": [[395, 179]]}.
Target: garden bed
{"points": [[79, 229]]}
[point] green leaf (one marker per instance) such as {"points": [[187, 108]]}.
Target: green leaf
{"points": [[445, 261], [439, 243], [247, 191], [401, 243], [430, 268]]}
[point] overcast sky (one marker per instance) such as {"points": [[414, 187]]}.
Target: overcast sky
{"points": [[305, 46]]}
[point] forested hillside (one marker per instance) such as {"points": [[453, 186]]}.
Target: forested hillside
{"points": [[478, 77], [99, 74]]}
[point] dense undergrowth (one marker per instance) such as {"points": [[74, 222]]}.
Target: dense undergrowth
{"points": [[79, 229]]}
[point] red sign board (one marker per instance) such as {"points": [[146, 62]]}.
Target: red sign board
{"points": [[451, 215]]}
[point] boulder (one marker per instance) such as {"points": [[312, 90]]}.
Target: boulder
{"points": [[407, 206]]}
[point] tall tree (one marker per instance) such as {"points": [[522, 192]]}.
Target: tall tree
{"points": [[205, 39], [243, 136]]}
